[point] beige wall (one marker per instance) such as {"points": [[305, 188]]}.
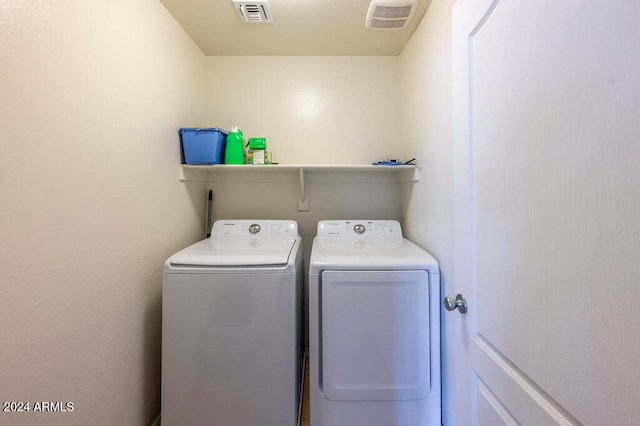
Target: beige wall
{"points": [[425, 70], [425, 121], [91, 95], [318, 110]]}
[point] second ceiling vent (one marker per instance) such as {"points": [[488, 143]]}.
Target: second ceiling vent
{"points": [[255, 12], [390, 14]]}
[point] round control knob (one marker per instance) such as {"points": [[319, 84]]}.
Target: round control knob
{"points": [[359, 229], [254, 229]]}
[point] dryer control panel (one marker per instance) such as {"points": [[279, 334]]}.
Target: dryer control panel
{"points": [[360, 229]]}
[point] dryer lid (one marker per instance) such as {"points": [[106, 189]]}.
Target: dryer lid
{"points": [[236, 252]]}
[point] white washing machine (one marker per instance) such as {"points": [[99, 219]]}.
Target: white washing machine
{"points": [[374, 327], [231, 327]]}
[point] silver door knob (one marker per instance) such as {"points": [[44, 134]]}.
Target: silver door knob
{"points": [[459, 303]]}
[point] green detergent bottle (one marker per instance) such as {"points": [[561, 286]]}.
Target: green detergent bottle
{"points": [[234, 151]]}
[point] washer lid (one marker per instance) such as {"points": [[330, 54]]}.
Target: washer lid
{"points": [[236, 252]]}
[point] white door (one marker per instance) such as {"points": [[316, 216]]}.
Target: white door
{"points": [[547, 199]]}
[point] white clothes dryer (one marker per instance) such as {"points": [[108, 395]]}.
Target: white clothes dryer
{"points": [[374, 327], [231, 327]]}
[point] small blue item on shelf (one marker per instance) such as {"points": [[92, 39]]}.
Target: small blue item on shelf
{"points": [[203, 145], [395, 163]]}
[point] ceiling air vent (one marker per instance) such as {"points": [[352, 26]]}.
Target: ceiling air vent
{"points": [[253, 12], [389, 14]]}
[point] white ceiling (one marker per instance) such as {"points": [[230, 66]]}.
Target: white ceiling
{"points": [[300, 27]]}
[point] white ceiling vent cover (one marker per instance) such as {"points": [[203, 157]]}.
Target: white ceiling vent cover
{"points": [[390, 14], [253, 12]]}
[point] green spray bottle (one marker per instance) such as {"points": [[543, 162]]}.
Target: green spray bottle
{"points": [[234, 151]]}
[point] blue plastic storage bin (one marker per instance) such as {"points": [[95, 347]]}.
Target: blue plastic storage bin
{"points": [[203, 145]]}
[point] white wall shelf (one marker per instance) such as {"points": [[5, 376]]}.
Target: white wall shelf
{"points": [[297, 172]]}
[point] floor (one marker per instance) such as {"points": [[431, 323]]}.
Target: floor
{"points": [[304, 415]]}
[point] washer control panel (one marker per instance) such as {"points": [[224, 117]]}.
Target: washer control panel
{"points": [[255, 228], [360, 229]]}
